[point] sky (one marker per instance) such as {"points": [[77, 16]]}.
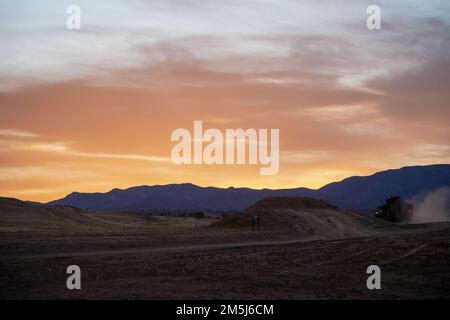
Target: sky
{"points": [[93, 109]]}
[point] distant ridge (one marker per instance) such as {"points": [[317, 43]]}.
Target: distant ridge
{"points": [[354, 192]]}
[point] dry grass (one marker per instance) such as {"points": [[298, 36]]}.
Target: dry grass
{"points": [[179, 259]]}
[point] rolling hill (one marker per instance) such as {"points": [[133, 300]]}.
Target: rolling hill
{"points": [[358, 192]]}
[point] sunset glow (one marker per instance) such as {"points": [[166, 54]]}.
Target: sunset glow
{"points": [[93, 109]]}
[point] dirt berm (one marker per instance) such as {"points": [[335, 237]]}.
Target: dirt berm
{"points": [[304, 217]]}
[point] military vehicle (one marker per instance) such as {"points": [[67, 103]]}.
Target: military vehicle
{"points": [[395, 209]]}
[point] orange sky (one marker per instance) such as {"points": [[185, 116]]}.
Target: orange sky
{"points": [[109, 127]]}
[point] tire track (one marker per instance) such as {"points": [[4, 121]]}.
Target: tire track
{"points": [[407, 254]]}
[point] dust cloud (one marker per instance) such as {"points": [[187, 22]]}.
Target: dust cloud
{"points": [[434, 207]]}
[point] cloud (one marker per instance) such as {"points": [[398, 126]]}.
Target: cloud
{"points": [[346, 100], [44, 172], [333, 113], [62, 149], [304, 157], [119, 156], [323, 39], [17, 133]]}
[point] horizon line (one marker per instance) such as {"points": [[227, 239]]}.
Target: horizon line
{"points": [[232, 187]]}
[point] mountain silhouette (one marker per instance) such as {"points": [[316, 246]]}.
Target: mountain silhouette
{"points": [[358, 192]]}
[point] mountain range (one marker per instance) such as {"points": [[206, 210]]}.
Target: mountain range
{"points": [[357, 192]]}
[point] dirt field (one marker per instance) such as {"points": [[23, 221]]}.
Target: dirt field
{"points": [[301, 253]]}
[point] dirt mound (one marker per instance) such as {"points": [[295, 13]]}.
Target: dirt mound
{"points": [[12, 202], [289, 203], [17, 215], [302, 218]]}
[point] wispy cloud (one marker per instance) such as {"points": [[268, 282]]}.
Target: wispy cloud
{"points": [[17, 133], [325, 38], [304, 157], [63, 149], [333, 113], [46, 172], [119, 156]]}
